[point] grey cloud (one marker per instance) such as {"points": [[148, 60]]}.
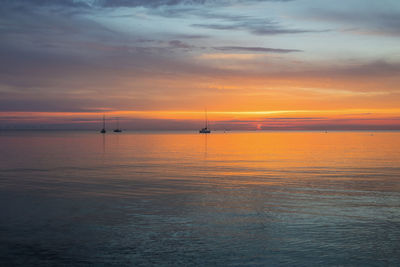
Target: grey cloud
{"points": [[44, 104], [273, 31], [255, 26], [127, 3], [191, 36], [217, 26], [146, 3], [372, 21], [373, 69], [168, 8], [179, 44], [256, 49], [67, 3], [223, 21]]}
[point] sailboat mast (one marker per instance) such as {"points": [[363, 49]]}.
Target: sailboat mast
{"points": [[206, 120], [205, 129], [104, 121]]}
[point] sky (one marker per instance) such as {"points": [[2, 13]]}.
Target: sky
{"points": [[158, 64]]}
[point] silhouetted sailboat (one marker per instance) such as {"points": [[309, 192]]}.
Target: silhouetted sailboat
{"points": [[205, 129], [118, 130], [104, 125]]}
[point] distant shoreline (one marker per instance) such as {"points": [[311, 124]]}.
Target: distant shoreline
{"points": [[196, 131]]}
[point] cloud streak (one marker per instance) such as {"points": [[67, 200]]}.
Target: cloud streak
{"points": [[257, 27], [256, 49], [130, 3], [370, 21]]}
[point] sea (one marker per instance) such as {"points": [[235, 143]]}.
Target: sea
{"points": [[76, 198]]}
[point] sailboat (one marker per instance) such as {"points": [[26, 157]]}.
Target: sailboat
{"points": [[104, 125], [205, 129], [118, 130]]}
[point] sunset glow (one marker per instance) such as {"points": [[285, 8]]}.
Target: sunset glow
{"points": [[304, 65]]}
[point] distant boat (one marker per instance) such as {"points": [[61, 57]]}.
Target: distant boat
{"points": [[118, 130], [205, 129], [104, 125]]}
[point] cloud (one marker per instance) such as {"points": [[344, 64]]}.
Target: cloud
{"points": [[364, 21], [256, 49], [129, 3], [165, 8], [179, 44], [42, 3], [62, 55], [372, 69], [191, 36], [255, 26]]}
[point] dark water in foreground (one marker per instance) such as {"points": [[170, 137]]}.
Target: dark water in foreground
{"points": [[291, 198]]}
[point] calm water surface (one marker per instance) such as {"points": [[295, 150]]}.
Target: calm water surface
{"points": [[260, 198]]}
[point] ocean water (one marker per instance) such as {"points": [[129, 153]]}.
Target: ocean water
{"points": [[182, 199]]}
